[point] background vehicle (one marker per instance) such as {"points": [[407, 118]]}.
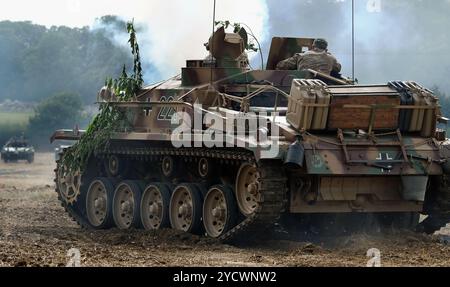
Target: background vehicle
{"points": [[371, 153], [16, 149], [59, 150]]}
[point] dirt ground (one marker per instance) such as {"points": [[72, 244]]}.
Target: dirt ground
{"points": [[35, 231]]}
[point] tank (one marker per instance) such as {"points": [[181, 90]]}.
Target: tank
{"points": [[229, 152], [17, 148]]}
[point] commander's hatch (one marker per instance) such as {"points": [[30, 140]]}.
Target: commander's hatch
{"points": [[283, 48]]}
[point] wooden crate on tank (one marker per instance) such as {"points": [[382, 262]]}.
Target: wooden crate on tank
{"points": [[345, 115]]}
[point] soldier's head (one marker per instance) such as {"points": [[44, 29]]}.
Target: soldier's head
{"points": [[320, 44]]}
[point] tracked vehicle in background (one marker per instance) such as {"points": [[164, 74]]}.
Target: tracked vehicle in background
{"points": [[321, 146], [17, 148]]}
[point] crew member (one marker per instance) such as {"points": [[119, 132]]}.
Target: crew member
{"points": [[317, 59]]}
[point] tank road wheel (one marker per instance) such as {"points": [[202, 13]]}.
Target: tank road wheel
{"points": [[219, 211], [248, 194], [155, 206], [186, 209], [69, 184], [126, 202], [99, 203]]}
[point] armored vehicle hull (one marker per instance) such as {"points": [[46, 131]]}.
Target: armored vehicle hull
{"points": [[226, 151], [17, 149]]}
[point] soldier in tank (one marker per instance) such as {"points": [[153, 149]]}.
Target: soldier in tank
{"points": [[317, 59]]}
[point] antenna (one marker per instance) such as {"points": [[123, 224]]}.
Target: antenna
{"points": [[353, 40], [212, 42]]}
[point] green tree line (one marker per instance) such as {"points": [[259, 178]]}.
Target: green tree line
{"points": [[37, 62]]}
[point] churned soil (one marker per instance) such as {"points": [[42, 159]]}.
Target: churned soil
{"points": [[35, 231]]}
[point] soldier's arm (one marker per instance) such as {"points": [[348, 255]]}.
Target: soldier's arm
{"points": [[336, 65], [288, 64]]}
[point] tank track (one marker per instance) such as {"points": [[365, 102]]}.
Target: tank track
{"points": [[274, 191], [438, 206], [272, 186]]}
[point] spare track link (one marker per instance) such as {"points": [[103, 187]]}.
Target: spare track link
{"points": [[272, 186]]}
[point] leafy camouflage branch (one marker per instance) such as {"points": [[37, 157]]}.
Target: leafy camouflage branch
{"points": [[109, 119], [236, 27]]}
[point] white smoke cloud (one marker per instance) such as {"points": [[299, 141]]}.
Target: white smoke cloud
{"points": [[175, 29], [401, 39]]}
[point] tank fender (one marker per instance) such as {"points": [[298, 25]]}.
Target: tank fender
{"points": [[414, 187], [295, 156]]}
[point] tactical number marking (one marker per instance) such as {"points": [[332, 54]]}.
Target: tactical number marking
{"points": [[166, 113]]}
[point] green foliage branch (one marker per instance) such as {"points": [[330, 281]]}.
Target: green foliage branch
{"points": [[250, 45], [236, 27], [109, 119]]}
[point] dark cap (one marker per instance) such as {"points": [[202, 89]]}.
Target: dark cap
{"points": [[320, 43]]}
